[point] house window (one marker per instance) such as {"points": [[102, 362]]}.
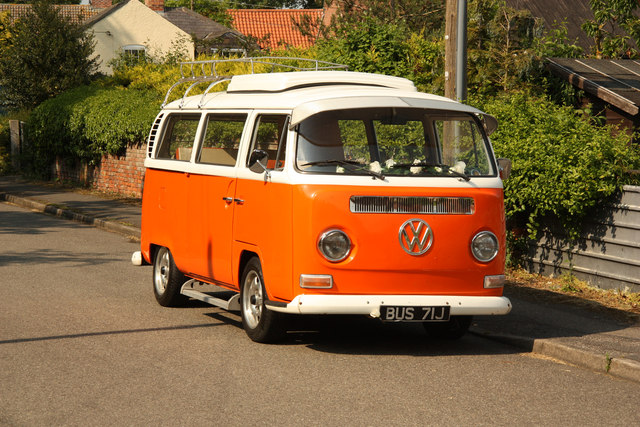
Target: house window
{"points": [[135, 52]]}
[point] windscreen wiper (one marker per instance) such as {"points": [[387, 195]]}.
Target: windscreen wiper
{"points": [[352, 165]]}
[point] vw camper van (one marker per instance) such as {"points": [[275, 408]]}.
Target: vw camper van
{"points": [[324, 191]]}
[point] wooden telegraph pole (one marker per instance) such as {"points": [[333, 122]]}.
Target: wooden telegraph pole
{"points": [[450, 45], [450, 42]]}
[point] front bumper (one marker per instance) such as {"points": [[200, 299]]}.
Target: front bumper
{"points": [[370, 304]]}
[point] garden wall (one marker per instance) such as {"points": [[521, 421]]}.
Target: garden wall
{"points": [[123, 174]]}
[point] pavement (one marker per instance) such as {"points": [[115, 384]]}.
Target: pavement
{"points": [[571, 331]]}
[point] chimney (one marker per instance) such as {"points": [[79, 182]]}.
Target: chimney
{"points": [[155, 5], [100, 4]]}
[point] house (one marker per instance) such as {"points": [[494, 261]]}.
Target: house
{"points": [[209, 36], [278, 28], [144, 28], [151, 27], [135, 29], [611, 86]]}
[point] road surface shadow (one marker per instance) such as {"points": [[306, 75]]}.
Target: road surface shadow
{"points": [[360, 335]]}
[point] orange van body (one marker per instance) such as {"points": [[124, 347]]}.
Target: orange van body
{"points": [[208, 245]]}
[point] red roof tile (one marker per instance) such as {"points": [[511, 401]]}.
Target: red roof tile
{"points": [[75, 13], [274, 28]]}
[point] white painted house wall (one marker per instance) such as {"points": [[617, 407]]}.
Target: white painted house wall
{"points": [[133, 23]]}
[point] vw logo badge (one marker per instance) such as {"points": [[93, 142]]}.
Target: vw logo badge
{"points": [[416, 237]]}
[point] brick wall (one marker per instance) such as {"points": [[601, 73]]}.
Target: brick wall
{"points": [[122, 175]]}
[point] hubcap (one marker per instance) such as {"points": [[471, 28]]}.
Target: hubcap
{"points": [[252, 299], [161, 272]]}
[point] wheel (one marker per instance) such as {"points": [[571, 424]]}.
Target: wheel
{"points": [[454, 329], [167, 279], [261, 324]]}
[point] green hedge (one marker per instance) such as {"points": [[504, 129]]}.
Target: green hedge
{"points": [[564, 164], [89, 121]]}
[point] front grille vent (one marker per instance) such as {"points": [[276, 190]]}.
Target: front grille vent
{"points": [[153, 135], [412, 205]]}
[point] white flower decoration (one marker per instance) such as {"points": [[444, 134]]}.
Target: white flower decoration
{"points": [[459, 167], [416, 169], [375, 167], [389, 163], [339, 169], [438, 169]]}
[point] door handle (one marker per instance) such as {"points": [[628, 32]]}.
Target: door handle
{"points": [[228, 200]]}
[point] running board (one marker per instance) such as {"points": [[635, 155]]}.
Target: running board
{"points": [[216, 298]]}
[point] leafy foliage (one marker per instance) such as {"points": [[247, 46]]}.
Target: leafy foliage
{"points": [[370, 45], [89, 121], [43, 56], [615, 28], [563, 165]]}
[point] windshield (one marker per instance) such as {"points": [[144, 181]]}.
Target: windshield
{"points": [[393, 142]]}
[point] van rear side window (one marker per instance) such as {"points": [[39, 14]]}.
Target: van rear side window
{"points": [[179, 136], [222, 139]]}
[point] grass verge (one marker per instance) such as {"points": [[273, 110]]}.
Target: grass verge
{"points": [[568, 289]]}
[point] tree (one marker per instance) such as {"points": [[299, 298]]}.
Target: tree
{"points": [[44, 56], [425, 16], [615, 28]]}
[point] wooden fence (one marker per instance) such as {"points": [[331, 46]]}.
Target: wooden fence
{"points": [[607, 255]]}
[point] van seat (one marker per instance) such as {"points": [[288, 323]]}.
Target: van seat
{"points": [[218, 156]]}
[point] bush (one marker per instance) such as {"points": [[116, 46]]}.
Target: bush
{"points": [[563, 164], [87, 122]]}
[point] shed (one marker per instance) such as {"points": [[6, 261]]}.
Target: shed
{"points": [[612, 86]]}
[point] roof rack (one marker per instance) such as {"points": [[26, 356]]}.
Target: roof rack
{"points": [[196, 72]]}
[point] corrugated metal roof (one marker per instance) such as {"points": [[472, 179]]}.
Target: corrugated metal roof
{"points": [[616, 81], [275, 26]]}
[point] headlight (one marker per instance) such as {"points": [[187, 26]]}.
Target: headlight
{"points": [[334, 245], [484, 246]]}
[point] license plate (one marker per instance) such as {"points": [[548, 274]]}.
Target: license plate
{"points": [[401, 313]]}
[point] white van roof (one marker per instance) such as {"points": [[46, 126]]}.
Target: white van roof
{"points": [[306, 93], [278, 82]]}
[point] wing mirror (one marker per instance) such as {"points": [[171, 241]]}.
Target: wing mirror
{"points": [[260, 158], [504, 167]]}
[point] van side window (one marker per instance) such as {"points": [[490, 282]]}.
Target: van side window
{"points": [[179, 135], [269, 135], [222, 139]]}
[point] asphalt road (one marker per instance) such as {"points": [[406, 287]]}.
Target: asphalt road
{"points": [[83, 342]]}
